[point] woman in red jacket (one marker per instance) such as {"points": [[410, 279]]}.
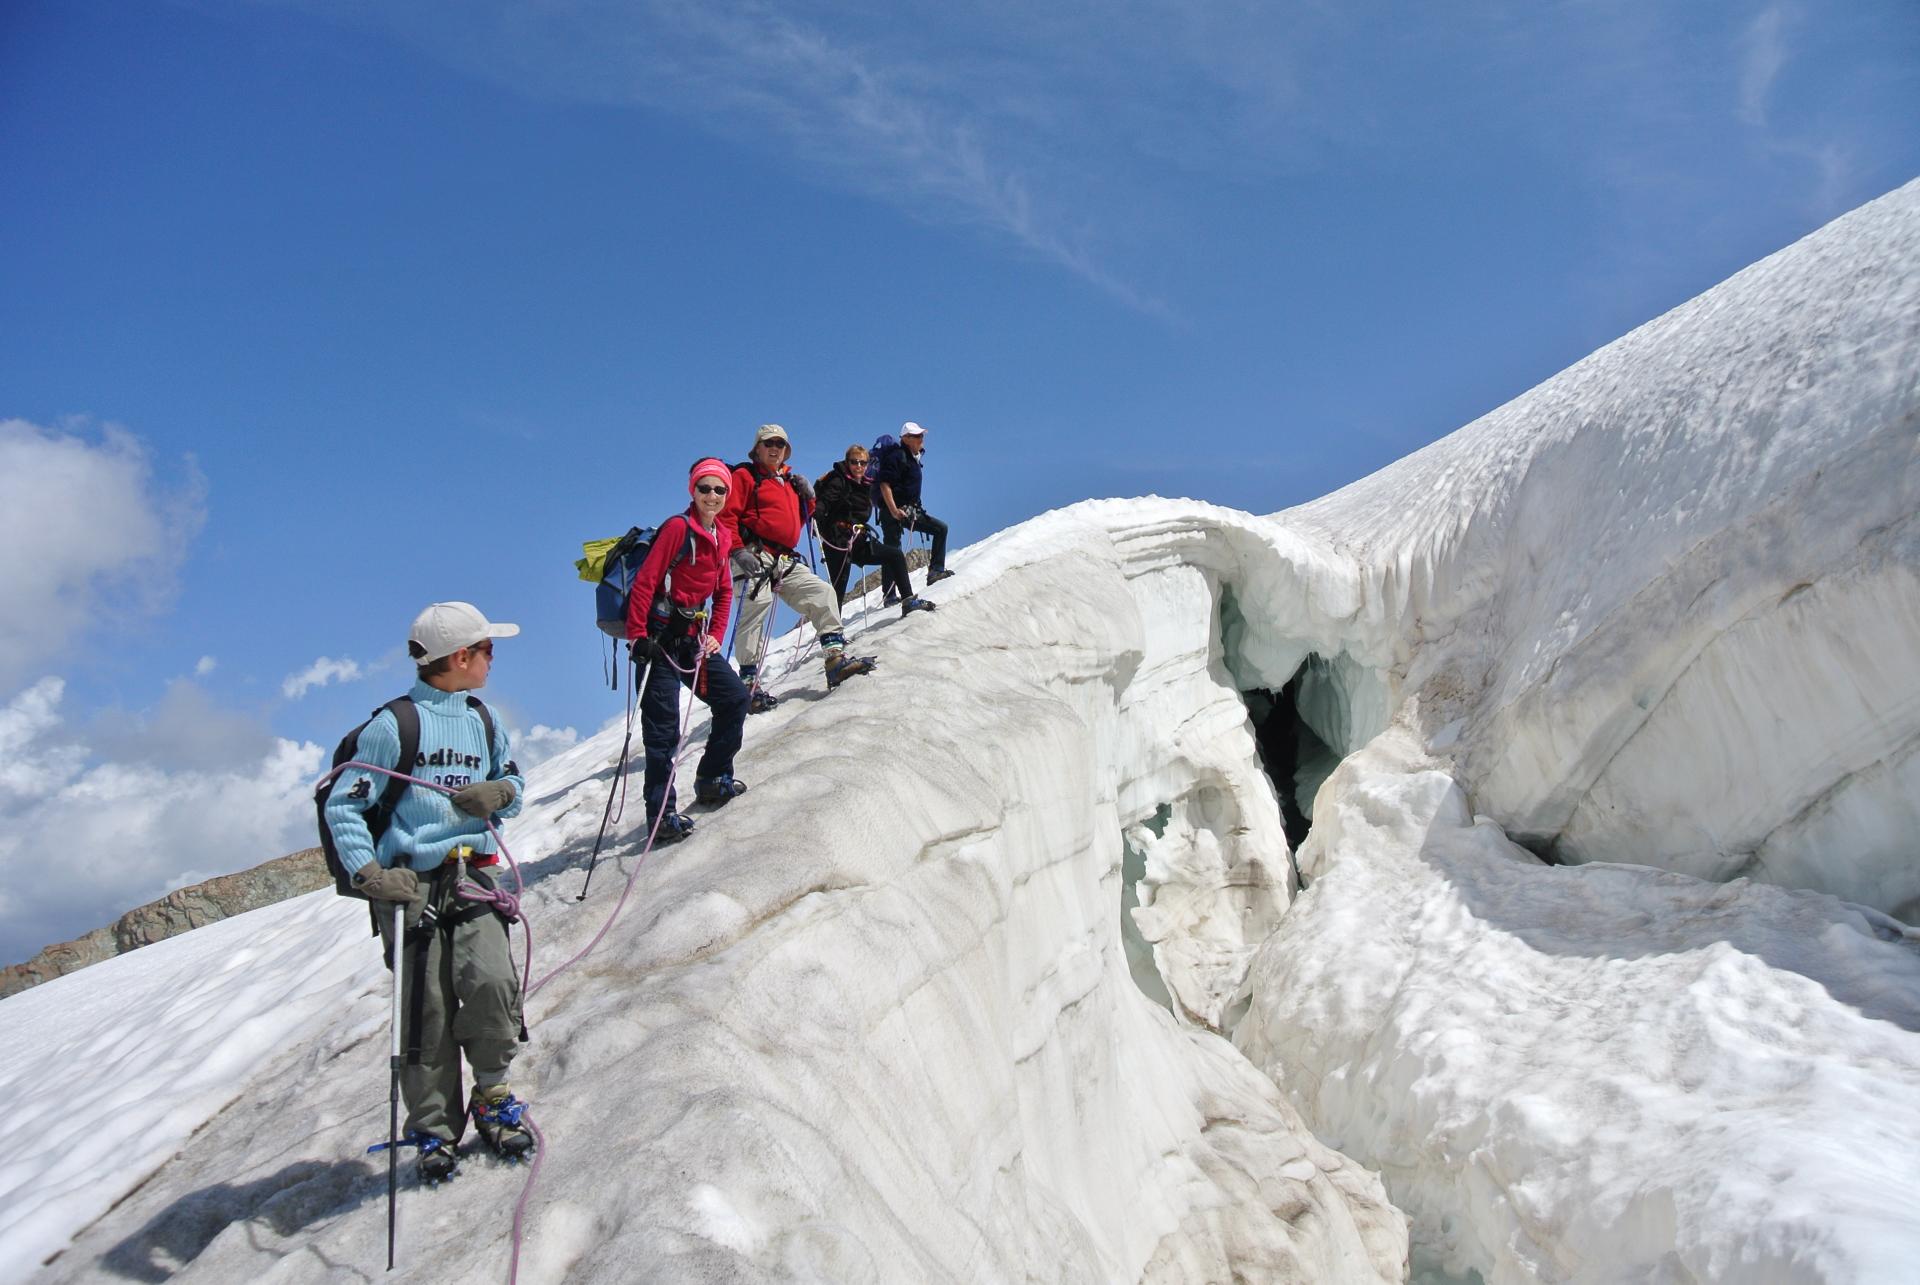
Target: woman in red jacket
{"points": [[679, 642]]}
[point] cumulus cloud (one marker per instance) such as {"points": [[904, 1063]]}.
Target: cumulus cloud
{"points": [[321, 672], [542, 743], [89, 534], [97, 820], [206, 666]]}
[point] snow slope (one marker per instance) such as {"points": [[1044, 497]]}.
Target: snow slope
{"points": [[886, 1019], [875, 1024]]}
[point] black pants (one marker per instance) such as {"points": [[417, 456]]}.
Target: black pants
{"points": [[926, 524], [865, 550], [724, 694]]}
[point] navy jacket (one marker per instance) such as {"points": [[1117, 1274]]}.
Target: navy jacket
{"points": [[900, 468]]}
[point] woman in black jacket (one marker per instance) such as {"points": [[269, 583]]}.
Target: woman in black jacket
{"points": [[842, 505]]}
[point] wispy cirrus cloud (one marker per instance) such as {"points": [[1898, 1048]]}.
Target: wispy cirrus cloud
{"points": [[1017, 122], [1117, 141], [1762, 53]]}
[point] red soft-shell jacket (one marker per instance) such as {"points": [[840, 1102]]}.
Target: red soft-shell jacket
{"points": [[763, 507], [696, 576]]}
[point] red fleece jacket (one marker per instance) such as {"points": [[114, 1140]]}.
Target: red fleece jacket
{"points": [[696, 576], [764, 507]]}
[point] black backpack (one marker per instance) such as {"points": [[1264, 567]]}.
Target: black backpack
{"points": [[406, 715]]}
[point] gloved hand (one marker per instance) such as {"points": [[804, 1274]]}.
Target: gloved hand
{"points": [[746, 562], [377, 883], [804, 487], [647, 650], [484, 798]]}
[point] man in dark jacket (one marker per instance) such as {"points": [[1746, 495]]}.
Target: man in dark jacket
{"points": [[897, 485], [844, 505]]}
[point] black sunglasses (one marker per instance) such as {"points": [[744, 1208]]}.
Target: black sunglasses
{"points": [[704, 489]]}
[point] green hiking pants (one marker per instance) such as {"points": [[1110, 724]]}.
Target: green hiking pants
{"points": [[468, 1001]]}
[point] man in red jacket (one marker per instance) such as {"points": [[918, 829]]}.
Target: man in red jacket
{"points": [[679, 643], [767, 511]]}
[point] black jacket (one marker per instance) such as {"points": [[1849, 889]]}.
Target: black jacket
{"points": [[843, 503]]}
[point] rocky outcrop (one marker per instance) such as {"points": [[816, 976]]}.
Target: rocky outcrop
{"points": [[173, 914]]}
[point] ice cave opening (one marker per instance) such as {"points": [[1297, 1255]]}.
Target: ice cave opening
{"points": [[1303, 731]]}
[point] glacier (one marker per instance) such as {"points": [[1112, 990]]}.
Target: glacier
{"points": [[1597, 961]]}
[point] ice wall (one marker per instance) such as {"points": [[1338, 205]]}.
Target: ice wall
{"points": [[1663, 607], [1658, 615]]}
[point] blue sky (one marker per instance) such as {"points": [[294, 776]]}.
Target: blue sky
{"points": [[314, 312]]}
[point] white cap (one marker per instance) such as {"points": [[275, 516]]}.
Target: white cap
{"points": [[772, 433], [911, 429], [446, 627]]}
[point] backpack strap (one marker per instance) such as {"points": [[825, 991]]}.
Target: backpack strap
{"points": [[680, 555], [486, 718], [753, 501], [406, 717]]}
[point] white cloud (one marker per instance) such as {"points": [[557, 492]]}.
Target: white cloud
{"points": [[321, 672], [29, 766], [89, 537], [894, 108], [85, 835], [542, 743], [1763, 53], [206, 665]]}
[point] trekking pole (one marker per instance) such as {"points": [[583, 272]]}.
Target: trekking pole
{"points": [[393, 1094], [620, 774]]}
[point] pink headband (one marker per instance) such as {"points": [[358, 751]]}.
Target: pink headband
{"points": [[708, 468]]}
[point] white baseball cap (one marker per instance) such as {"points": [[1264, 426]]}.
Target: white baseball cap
{"points": [[911, 429], [446, 627]]}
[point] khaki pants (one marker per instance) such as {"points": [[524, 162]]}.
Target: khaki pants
{"points": [[800, 589], [470, 1004]]}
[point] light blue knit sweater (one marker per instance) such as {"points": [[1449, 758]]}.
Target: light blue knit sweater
{"points": [[426, 826]]}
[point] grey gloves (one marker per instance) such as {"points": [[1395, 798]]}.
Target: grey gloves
{"points": [[746, 562], [804, 487], [484, 798], [377, 883]]}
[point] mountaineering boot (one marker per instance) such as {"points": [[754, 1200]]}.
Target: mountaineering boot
{"points": [[759, 701], [916, 603], [497, 1116], [841, 667], [890, 598], [936, 575], [717, 790], [672, 828], [438, 1160]]}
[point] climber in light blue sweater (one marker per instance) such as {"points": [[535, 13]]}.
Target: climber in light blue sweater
{"points": [[427, 825], [459, 989]]}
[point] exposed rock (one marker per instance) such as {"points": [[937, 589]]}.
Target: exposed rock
{"points": [[173, 914]]}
